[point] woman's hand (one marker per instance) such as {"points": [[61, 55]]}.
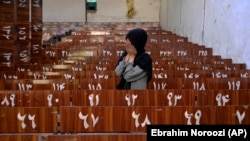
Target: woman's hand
{"points": [[129, 58]]}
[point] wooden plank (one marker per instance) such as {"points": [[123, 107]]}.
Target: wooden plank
{"points": [[22, 12], [7, 33], [42, 84], [169, 83], [107, 97], [135, 119], [34, 98], [99, 136], [222, 97], [28, 120], [23, 32], [97, 84], [7, 11], [15, 137], [36, 11]]}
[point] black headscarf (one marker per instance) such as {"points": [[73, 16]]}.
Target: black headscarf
{"points": [[138, 38]]}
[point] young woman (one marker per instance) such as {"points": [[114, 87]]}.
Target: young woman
{"points": [[135, 65]]}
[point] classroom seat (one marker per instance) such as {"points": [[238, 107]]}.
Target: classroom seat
{"points": [[169, 83], [211, 73], [28, 120], [99, 74], [34, 98], [11, 74], [232, 115], [11, 98], [230, 83], [216, 83], [163, 74], [44, 98], [43, 84], [134, 119], [150, 97], [222, 97], [97, 84]]}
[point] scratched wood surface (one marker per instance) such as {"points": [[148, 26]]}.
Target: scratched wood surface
{"points": [[135, 119]]}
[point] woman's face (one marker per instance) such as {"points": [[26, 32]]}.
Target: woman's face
{"points": [[130, 48]]}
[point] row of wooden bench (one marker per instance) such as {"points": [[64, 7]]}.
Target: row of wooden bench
{"points": [[129, 98], [184, 49], [105, 67], [106, 74], [115, 119], [110, 83], [55, 54], [106, 37], [53, 34], [77, 137], [109, 58], [60, 56]]}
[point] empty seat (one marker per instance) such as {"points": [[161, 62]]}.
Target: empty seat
{"points": [[97, 84], [229, 83], [43, 84], [34, 98], [169, 83], [28, 120], [222, 97], [134, 119], [107, 97]]}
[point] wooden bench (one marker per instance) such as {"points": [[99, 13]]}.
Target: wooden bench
{"points": [[98, 84], [169, 83], [34, 98], [99, 74], [11, 74], [230, 83], [19, 137], [134, 119], [159, 74], [6, 15], [216, 83], [43, 84], [43, 75], [28, 120], [219, 73], [22, 8], [223, 97], [161, 58], [168, 97]]}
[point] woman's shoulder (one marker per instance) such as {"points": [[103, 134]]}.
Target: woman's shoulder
{"points": [[143, 60], [145, 56]]}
